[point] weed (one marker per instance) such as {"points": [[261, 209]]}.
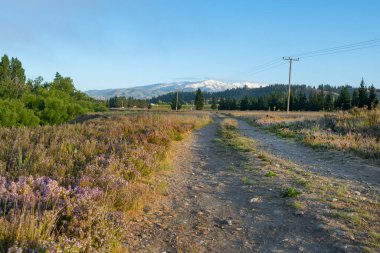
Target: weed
{"points": [[245, 180], [348, 216], [162, 188], [271, 174], [291, 192], [232, 168], [297, 204], [302, 182], [264, 158]]}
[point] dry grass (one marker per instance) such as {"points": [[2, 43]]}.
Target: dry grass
{"points": [[357, 131], [72, 187]]}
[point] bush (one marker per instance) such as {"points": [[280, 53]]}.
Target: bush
{"points": [[55, 111], [13, 113], [34, 101], [291, 192]]}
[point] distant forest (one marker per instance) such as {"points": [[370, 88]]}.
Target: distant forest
{"points": [[274, 97]]}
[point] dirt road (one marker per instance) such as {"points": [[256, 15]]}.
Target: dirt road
{"points": [[323, 161], [209, 208]]}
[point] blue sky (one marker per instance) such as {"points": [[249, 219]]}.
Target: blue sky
{"points": [[109, 44]]}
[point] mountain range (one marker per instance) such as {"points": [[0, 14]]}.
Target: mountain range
{"points": [[152, 90]]}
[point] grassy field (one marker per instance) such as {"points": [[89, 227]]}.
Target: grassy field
{"points": [[70, 188], [357, 131]]}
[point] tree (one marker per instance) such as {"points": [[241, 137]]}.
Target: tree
{"points": [[344, 101], [64, 84], [214, 106], [363, 94], [16, 71], [199, 101], [300, 101], [222, 104], [329, 103], [55, 111], [174, 105], [313, 104], [244, 103], [372, 99], [232, 104], [34, 102], [321, 98], [292, 102], [4, 68], [262, 103], [14, 113], [355, 98], [253, 104]]}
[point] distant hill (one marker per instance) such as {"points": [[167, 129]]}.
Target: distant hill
{"points": [[154, 90]]}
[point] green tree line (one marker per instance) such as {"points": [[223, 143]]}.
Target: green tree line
{"points": [[317, 100], [124, 102], [36, 102]]}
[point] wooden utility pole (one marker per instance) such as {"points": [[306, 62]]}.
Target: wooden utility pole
{"points": [[290, 77]]}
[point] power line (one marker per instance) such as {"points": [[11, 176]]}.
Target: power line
{"points": [[266, 69], [275, 63], [351, 47], [341, 51], [259, 67]]}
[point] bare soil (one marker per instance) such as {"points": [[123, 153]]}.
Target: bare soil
{"points": [[209, 208]]}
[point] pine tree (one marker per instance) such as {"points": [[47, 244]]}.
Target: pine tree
{"points": [[252, 104], [262, 103], [199, 101], [233, 105], [344, 101], [355, 98], [321, 99], [292, 102], [372, 99], [214, 106], [222, 104], [329, 103], [174, 104], [313, 104], [244, 103], [301, 101], [363, 94]]}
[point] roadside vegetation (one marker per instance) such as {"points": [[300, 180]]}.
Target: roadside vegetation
{"points": [[71, 188], [357, 130], [343, 209], [36, 102]]}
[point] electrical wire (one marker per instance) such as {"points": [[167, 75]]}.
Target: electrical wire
{"points": [[275, 63]]}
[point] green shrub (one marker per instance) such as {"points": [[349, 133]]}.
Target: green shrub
{"points": [[13, 113], [271, 174], [291, 192]]}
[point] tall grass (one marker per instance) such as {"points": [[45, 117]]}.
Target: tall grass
{"points": [[69, 188], [357, 130]]}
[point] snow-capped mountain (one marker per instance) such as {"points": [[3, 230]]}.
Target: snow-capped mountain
{"points": [[149, 91]]}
